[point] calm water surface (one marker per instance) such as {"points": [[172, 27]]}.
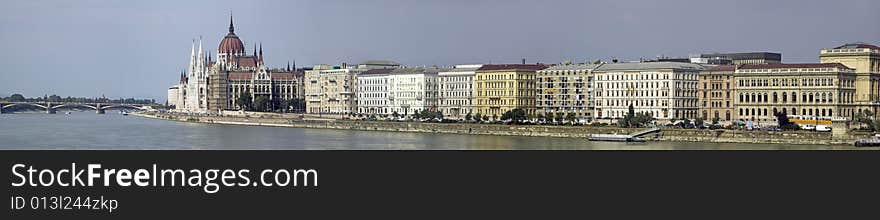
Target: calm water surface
{"points": [[87, 130]]}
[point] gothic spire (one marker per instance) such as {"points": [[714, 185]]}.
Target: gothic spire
{"points": [[231, 27]]}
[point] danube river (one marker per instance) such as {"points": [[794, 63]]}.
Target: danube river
{"points": [[87, 130]]}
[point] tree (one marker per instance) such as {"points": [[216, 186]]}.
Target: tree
{"points": [[570, 117], [551, 116], [16, 98], [516, 115], [395, 114], [485, 117], [716, 119], [245, 101], [478, 117], [864, 118], [261, 103], [468, 116], [541, 117], [699, 122], [560, 116], [784, 123]]}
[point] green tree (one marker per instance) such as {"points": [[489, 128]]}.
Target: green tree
{"points": [[16, 98], [245, 101], [716, 119], [570, 117], [784, 123], [261, 103], [395, 114], [560, 116], [516, 115], [698, 122], [478, 117], [468, 116]]}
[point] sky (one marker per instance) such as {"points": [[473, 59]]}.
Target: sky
{"points": [[138, 48]]}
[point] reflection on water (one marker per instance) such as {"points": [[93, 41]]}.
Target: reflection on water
{"points": [[87, 130]]}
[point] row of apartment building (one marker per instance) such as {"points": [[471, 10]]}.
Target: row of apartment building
{"points": [[746, 87]]}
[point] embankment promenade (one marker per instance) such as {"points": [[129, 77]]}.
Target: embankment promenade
{"points": [[674, 135]]}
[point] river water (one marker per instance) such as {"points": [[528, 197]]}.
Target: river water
{"points": [[87, 130]]}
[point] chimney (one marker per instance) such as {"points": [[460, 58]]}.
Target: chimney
{"points": [[524, 61]]}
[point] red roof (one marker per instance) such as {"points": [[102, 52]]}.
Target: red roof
{"points": [[246, 61], [241, 75], [793, 65], [283, 76], [512, 67], [722, 68]]}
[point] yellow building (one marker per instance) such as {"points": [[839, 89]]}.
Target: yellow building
{"points": [[865, 59], [501, 88], [716, 89]]}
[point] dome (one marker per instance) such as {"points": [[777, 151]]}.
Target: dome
{"points": [[231, 44]]}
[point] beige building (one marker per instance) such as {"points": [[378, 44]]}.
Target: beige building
{"points": [[501, 88], [665, 90], [716, 89], [865, 59], [822, 90], [566, 88], [331, 89]]}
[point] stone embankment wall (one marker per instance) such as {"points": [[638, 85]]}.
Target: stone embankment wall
{"points": [[686, 135]]}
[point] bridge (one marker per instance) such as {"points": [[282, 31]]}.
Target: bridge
{"points": [[51, 107]]}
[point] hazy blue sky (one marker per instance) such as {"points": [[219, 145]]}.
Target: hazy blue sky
{"points": [[137, 48]]}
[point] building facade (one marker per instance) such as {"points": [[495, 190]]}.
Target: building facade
{"points": [[412, 90], [664, 90], [566, 89], [865, 59], [373, 92], [457, 91], [331, 90], [173, 95], [213, 84], [745, 58], [822, 90], [716, 90], [501, 88]]}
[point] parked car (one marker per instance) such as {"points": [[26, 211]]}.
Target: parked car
{"points": [[823, 128], [808, 127]]}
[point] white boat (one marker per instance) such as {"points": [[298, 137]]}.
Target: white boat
{"points": [[123, 113], [67, 113]]}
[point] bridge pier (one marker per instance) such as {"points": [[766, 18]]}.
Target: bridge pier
{"points": [[99, 110], [49, 109], [1, 108]]}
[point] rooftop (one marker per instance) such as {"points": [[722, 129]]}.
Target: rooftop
{"points": [[579, 66], [722, 68], [793, 65], [491, 67], [743, 56], [650, 66], [858, 46]]}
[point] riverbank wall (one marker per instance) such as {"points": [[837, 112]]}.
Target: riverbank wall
{"points": [[676, 135]]}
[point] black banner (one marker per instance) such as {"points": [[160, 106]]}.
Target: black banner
{"points": [[443, 184]]}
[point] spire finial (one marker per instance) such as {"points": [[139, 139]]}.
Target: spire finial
{"points": [[231, 27]]}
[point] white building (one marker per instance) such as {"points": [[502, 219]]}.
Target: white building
{"points": [[173, 95], [412, 89], [456, 90], [665, 90], [373, 92]]}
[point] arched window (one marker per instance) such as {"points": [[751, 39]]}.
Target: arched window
{"points": [[784, 97], [775, 99], [794, 97]]}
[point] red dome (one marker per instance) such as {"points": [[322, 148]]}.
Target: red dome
{"points": [[231, 45]]}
